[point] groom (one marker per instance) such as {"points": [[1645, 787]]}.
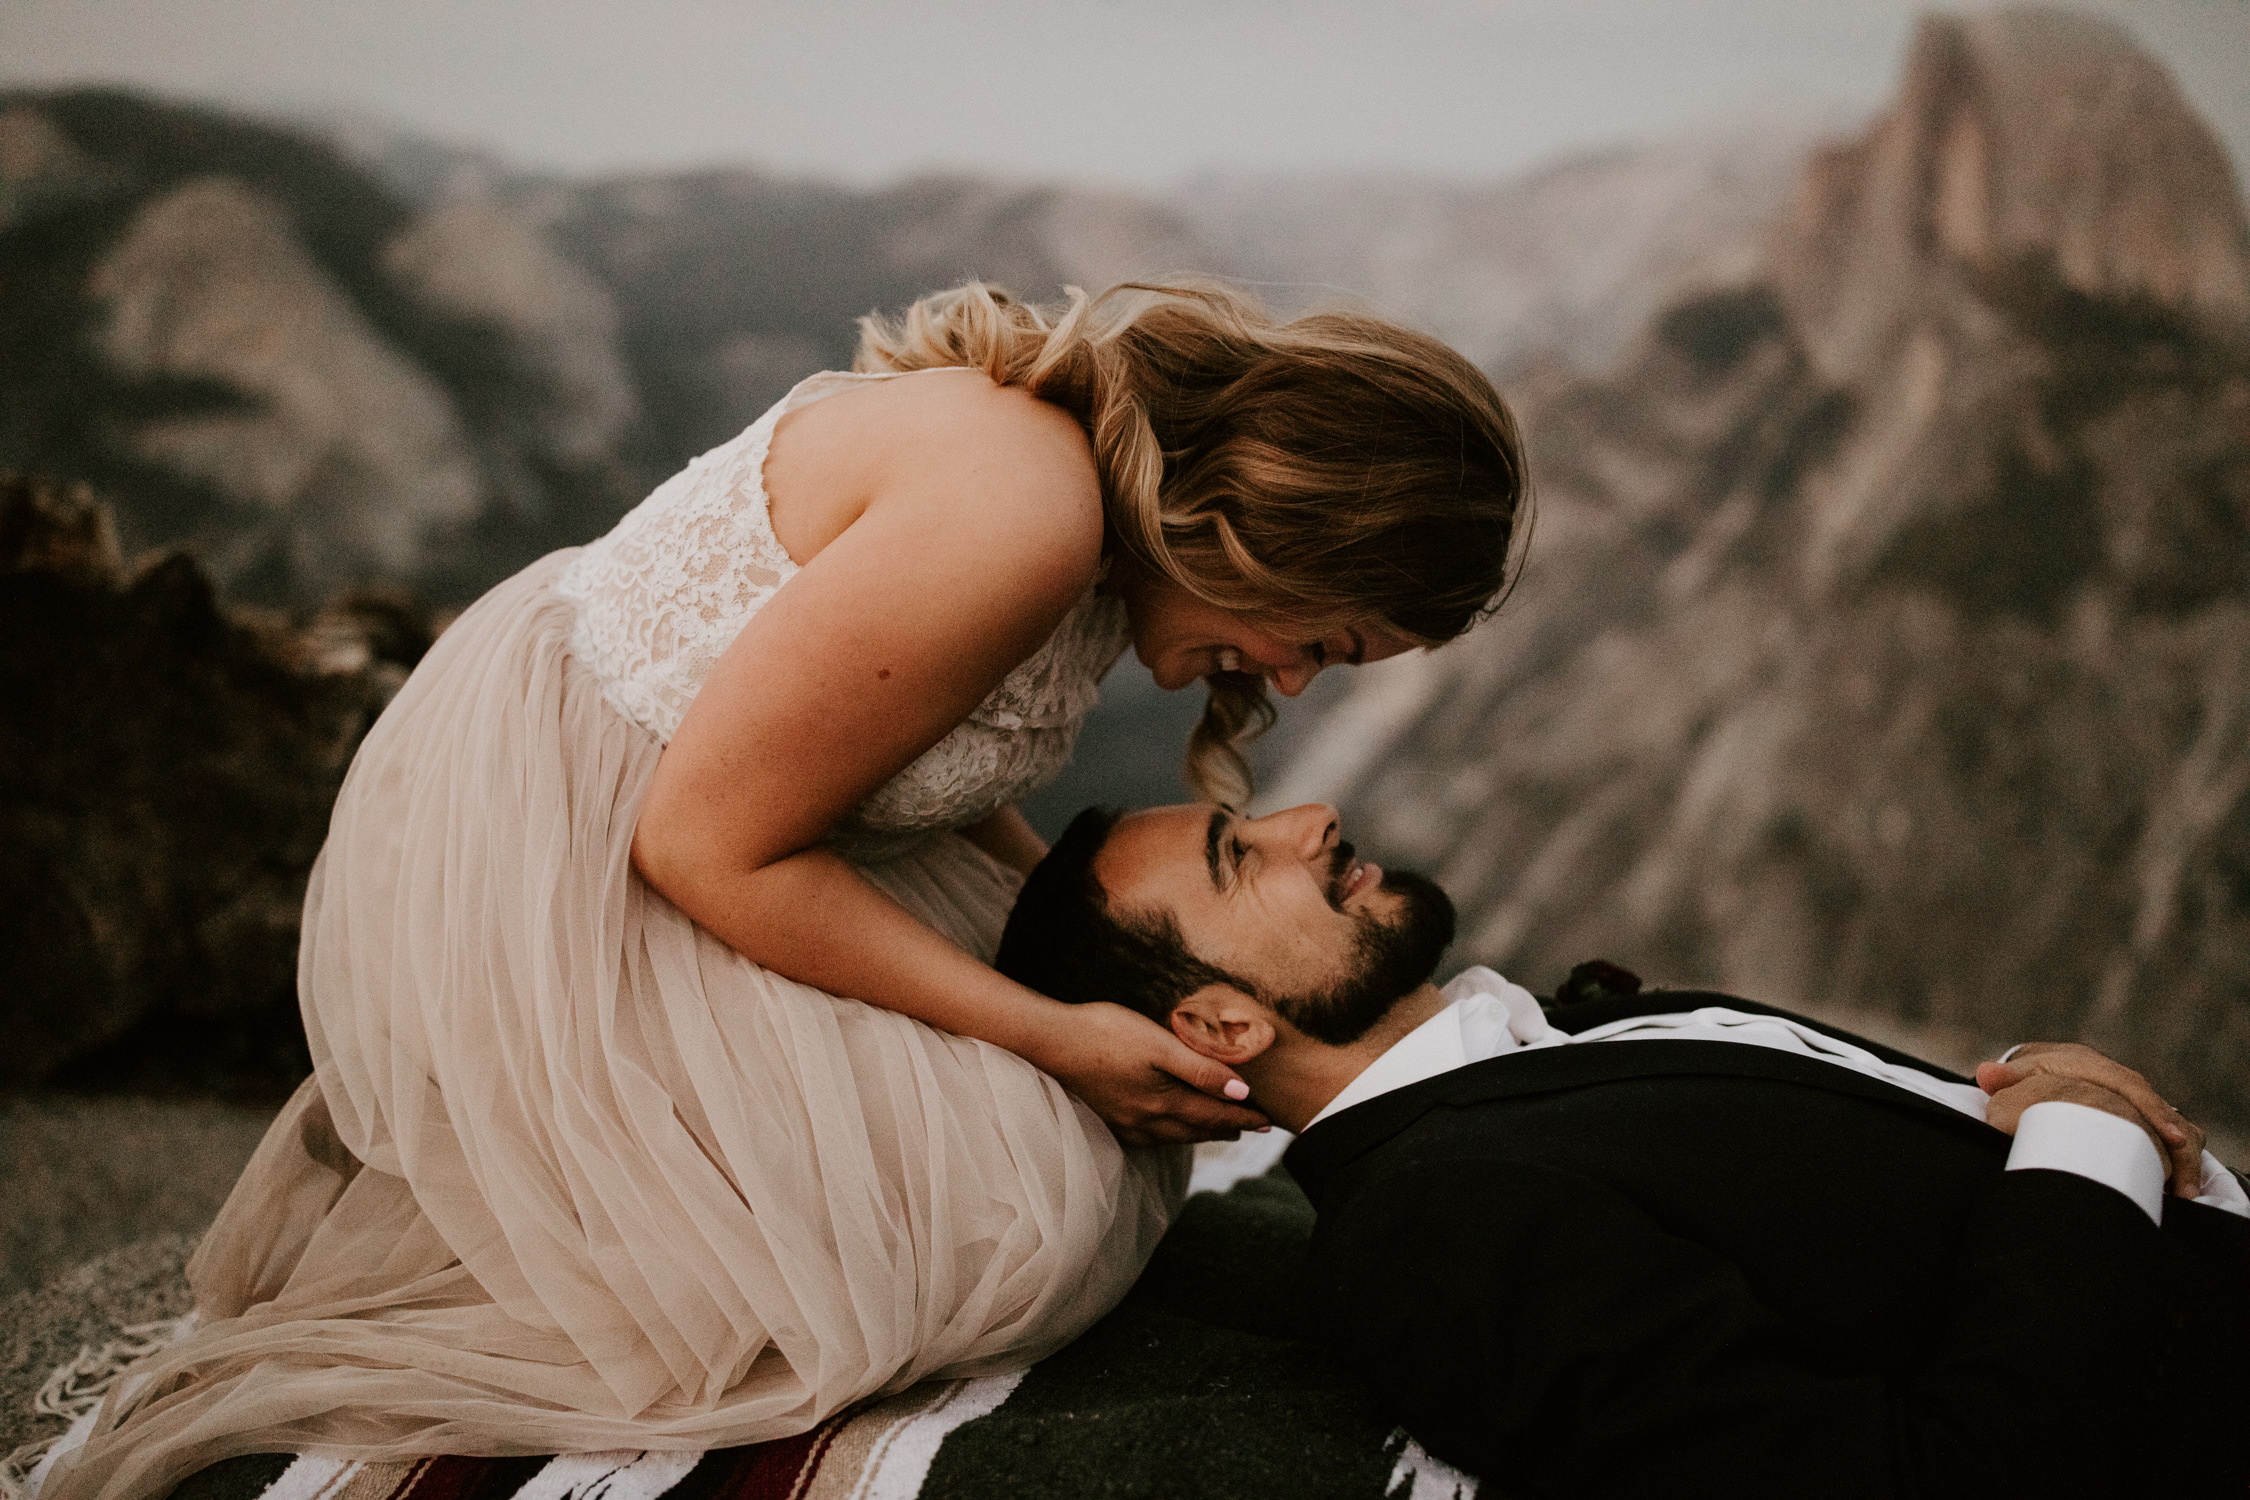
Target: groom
{"points": [[1676, 1243]]}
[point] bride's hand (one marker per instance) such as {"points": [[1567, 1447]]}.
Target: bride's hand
{"points": [[1144, 1083]]}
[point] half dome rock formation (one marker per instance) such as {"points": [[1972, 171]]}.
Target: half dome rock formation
{"points": [[1885, 639], [2018, 137]]}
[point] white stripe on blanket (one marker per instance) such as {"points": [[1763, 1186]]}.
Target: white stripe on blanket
{"points": [[77, 1389], [620, 1474], [1419, 1476], [73, 1438], [902, 1456], [1219, 1165], [309, 1478]]}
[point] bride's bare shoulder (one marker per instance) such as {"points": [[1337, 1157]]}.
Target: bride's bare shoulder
{"points": [[994, 454]]}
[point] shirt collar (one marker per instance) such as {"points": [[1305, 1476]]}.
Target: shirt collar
{"points": [[1484, 1016]]}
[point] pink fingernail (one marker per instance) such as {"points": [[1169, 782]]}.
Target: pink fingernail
{"points": [[1237, 1089], [1263, 1129]]}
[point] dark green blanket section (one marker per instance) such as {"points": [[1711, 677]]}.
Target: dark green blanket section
{"points": [[1196, 1388]]}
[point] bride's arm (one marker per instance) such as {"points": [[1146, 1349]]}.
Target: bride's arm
{"points": [[981, 526], [812, 916]]}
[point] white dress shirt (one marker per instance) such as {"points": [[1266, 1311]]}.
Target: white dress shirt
{"points": [[1487, 1016]]}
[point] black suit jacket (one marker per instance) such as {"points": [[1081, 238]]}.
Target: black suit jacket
{"points": [[1673, 1268]]}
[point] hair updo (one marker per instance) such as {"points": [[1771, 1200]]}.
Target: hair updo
{"points": [[1315, 474]]}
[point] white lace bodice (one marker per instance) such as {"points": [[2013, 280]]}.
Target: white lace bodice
{"points": [[662, 595]]}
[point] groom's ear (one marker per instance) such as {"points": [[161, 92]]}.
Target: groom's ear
{"points": [[1224, 1024]]}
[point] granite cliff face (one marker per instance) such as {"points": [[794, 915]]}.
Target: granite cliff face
{"points": [[1886, 638], [480, 262], [732, 286], [347, 453], [266, 354], [166, 770], [319, 367]]}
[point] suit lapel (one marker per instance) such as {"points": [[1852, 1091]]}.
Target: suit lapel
{"points": [[1336, 1141]]}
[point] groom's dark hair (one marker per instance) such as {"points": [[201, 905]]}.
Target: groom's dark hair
{"points": [[1063, 940]]}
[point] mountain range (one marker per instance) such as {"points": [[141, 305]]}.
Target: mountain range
{"points": [[1884, 645]]}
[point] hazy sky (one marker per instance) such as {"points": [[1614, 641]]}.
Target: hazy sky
{"points": [[1138, 93]]}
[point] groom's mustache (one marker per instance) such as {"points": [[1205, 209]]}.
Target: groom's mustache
{"points": [[1339, 865]]}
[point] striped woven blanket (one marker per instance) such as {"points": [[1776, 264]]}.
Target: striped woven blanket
{"points": [[1196, 1388]]}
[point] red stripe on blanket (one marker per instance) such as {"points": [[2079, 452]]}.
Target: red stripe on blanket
{"points": [[459, 1478], [411, 1485], [782, 1469], [449, 1478]]}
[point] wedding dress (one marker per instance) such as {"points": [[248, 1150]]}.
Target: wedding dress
{"points": [[573, 1175]]}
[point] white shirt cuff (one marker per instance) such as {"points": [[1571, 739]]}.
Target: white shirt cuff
{"points": [[2092, 1143], [2221, 1188]]}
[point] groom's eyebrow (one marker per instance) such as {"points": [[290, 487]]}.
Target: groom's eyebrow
{"points": [[1213, 833]]}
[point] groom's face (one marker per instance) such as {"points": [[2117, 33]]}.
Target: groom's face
{"points": [[1282, 902]]}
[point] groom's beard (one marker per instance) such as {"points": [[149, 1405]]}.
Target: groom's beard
{"points": [[1393, 956]]}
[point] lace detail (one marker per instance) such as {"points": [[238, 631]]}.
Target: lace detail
{"points": [[1012, 743], [660, 598], [664, 593]]}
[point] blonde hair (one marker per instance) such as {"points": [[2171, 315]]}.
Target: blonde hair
{"points": [[1315, 474]]}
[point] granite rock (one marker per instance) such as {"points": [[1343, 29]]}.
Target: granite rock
{"points": [[166, 770], [1885, 641]]}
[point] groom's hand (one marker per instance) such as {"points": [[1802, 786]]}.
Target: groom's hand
{"points": [[2045, 1068]]}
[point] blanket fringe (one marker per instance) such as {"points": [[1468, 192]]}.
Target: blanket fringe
{"points": [[76, 1389]]}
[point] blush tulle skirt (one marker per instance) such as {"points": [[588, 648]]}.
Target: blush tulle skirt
{"points": [[572, 1175]]}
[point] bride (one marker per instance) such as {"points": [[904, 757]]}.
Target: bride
{"points": [[595, 1155]]}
